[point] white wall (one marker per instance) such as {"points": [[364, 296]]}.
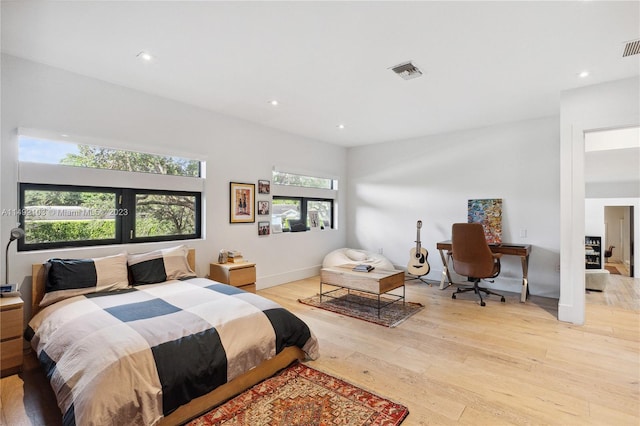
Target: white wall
{"points": [[394, 184], [41, 97], [603, 106]]}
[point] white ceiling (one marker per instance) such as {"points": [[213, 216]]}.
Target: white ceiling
{"points": [[328, 62]]}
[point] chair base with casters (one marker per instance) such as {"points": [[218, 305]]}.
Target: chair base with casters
{"points": [[478, 290]]}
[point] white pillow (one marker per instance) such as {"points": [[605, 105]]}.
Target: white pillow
{"points": [[356, 255]]}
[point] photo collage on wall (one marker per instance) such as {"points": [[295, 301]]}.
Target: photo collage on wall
{"points": [[263, 207]]}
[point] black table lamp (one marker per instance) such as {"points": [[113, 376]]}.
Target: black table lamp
{"points": [[16, 233]]}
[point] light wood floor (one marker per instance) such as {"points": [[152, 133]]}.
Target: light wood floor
{"points": [[456, 362], [622, 269]]}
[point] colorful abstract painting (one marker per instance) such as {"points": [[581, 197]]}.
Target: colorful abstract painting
{"points": [[488, 212]]}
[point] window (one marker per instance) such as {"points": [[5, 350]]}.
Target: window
{"points": [[324, 209], [287, 209], [283, 178], [39, 150], [73, 195], [295, 195], [58, 216], [55, 216], [165, 215]]}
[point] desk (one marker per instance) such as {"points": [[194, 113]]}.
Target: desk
{"points": [[521, 250]]}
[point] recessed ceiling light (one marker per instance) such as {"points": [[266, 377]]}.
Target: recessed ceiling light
{"points": [[144, 56], [274, 102], [340, 126], [583, 74]]}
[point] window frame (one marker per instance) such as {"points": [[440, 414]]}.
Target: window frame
{"points": [[304, 213], [124, 224], [129, 197]]}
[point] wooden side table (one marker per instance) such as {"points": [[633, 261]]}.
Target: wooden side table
{"points": [[241, 275], [11, 328]]}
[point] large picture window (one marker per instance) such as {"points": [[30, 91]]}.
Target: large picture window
{"points": [[75, 193], [56, 216]]}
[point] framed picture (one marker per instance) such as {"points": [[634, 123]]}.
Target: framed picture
{"points": [[488, 212], [264, 228], [264, 187], [314, 220], [263, 207], [242, 200]]}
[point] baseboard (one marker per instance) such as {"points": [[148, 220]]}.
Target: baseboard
{"points": [[295, 275], [567, 313]]}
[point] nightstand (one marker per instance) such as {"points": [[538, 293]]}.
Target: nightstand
{"points": [[11, 328], [241, 275]]}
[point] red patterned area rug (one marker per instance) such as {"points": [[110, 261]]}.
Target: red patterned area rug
{"points": [[364, 306], [300, 395]]}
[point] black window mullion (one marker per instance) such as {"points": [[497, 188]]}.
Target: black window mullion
{"points": [[128, 206]]}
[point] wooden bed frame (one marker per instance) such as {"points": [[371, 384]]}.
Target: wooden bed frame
{"points": [[216, 397]]}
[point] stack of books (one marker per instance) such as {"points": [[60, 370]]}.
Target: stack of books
{"points": [[234, 256], [363, 268]]}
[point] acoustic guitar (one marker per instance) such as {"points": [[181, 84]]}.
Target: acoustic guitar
{"points": [[418, 264]]}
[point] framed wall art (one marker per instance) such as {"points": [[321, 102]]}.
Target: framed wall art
{"points": [[264, 228], [242, 202], [263, 207], [488, 212], [314, 220], [264, 187]]}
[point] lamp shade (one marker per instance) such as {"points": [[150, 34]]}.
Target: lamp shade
{"points": [[16, 233]]}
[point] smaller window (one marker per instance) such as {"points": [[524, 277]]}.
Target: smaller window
{"points": [[282, 178], [285, 209], [292, 209], [325, 212]]}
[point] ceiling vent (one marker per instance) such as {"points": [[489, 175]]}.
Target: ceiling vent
{"points": [[407, 70], [631, 48]]}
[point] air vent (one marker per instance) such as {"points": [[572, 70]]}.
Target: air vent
{"points": [[407, 70], [631, 48]]}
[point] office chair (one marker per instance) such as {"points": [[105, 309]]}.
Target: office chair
{"points": [[473, 258], [608, 253]]}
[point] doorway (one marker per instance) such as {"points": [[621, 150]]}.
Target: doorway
{"points": [[618, 240]]}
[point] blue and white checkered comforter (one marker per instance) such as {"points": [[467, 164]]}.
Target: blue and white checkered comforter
{"points": [[134, 356]]}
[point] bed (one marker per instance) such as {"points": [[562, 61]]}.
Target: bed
{"points": [[155, 353]]}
